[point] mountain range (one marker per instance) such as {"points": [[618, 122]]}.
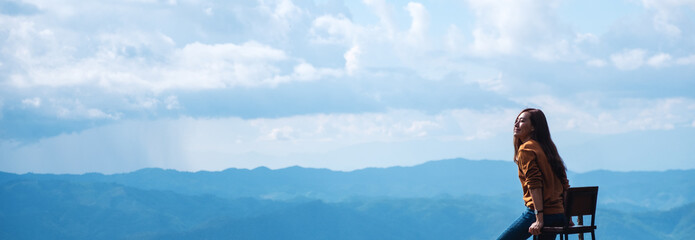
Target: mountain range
{"points": [[446, 199]]}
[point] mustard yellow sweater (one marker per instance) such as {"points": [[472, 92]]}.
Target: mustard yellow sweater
{"points": [[535, 172]]}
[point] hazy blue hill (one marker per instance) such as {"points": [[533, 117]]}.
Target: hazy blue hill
{"points": [[447, 177], [452, 177], [6, 176], [54, 209], [365, 219], [640, 191], [677, 223], [686, 225], [625, 191]]}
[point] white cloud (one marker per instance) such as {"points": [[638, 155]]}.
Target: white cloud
{"points": [[329, 29], [283, 13], [596, 63], [384, 11], [94, 113], [348, 128], [455, 40], [668, 14], [352, 60], [383, 45], [489, 43], [132, 59], [629, 59], [195, 66], [215, 144], [689, 60], [172, 102], [518, 28], [419, 25], [630, 115], [477, 125], [280, 134], [586, 37], [494, 84], [67, 109], [139, 103], [662, 23], [193, 144], [147, 103], [133, 67], [558, 50], [79, 112], [32, 102], [659, 60], [307, 72]]}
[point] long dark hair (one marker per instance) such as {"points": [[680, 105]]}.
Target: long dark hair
{"points": [[541, 134]]}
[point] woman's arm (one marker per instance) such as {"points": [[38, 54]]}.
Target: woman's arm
{"points": [[537, 198]]}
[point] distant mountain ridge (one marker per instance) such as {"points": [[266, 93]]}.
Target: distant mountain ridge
{"points": [[59, 209], [453, 177], [447, 199], [627, 191]]}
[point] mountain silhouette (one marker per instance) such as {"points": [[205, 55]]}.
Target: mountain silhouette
{"points": [[447, 199]]}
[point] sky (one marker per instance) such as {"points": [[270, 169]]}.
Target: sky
{"points": [[116, 86]]}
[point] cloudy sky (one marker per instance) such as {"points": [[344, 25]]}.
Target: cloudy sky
{"points": [[115, 86]]}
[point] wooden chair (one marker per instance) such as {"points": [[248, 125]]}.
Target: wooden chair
{"points": [[580, 201]]}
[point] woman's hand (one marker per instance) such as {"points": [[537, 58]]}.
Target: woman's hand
{"points": [[535, 228]]}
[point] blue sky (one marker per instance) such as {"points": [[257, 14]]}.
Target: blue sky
{"points": [[115, 86]]}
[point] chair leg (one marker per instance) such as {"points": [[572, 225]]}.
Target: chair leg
{"points": [[581, 236], [592, 235]]}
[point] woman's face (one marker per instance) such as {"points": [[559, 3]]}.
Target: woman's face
{"points": [[522, 126]]}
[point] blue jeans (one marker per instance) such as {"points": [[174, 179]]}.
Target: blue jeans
{"points": [[519, 229]]}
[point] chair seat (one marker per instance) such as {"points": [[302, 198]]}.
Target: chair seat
{"points": [[571, 229]]}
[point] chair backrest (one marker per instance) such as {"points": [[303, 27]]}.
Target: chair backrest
{"points": [[581, 201]]}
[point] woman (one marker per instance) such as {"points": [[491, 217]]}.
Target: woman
{"points": [[543, 177]]}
